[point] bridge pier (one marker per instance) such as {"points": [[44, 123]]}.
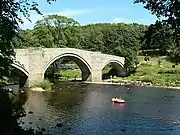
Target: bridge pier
{"points": [[34, 79], [96, 76], [36, 69], [85, 76], [22, 81]]}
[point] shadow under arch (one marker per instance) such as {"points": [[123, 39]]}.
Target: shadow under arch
{"points": [[118, 68], [20, 68], [82, 64], [22, 77]]}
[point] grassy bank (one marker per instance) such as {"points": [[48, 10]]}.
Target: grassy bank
{"points": [[156, 71], [45, 84]]}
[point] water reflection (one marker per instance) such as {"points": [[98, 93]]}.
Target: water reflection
{"points": [[87, 109], [118, 106]]}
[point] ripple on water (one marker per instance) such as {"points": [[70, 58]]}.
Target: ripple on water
{"points": [[147, 111]]}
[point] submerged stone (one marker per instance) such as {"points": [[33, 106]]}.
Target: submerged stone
{"points": [[43, 129], [59, 125]]}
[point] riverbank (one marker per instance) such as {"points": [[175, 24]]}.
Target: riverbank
{"points": [[45, 85], [157, 72], [132, 83], [37, 89]]}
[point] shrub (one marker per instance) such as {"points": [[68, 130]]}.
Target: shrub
{"points": [[45, 84]]}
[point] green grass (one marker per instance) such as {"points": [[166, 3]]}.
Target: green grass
{"points": [[45, 84], [154, 61], [158, 75], [70, 74]]}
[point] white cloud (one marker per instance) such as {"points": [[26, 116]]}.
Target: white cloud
{"points": [[69, 13], [122, 20], [125, 20]]}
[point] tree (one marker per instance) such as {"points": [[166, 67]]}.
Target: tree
{"points": [[60, 28], [10, 110], [159, 37], [57, 31], [93, 38], [27, 38], [116, 39], [168, 13], [10, 18], [167, 9]]}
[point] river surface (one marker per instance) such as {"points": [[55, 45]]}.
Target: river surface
{"points": [[86, 109]]}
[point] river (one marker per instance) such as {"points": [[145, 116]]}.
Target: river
{"points": [[86, 109]]}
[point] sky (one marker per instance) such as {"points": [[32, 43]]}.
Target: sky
{"points": [[93, 11]]}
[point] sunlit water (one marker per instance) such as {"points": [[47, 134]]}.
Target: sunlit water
{"points": [[88, 110]]}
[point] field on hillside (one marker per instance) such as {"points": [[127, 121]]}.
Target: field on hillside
{"points": [[157, 71]]}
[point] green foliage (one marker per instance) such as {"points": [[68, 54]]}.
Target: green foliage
{"points": [[164, 8], [106, 72], [51, 31], [158, 36], [106, 69], [45, 84], [174, 54], [70, 74], [59, 31], [151, 72], [165, 33], [11, 12], [10, 110], [62, 31], [10, 17]]}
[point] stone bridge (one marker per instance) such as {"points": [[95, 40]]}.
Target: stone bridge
{"points": [[34, 62]]}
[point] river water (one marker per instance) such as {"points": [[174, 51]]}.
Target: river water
{"points": [[86, 109]]}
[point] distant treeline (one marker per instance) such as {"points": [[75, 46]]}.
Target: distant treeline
{"points": [[59, 31], [117, 39]]}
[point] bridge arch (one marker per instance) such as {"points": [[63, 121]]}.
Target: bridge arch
{"points": [[81, 62], [117, 65], [20, 68], [22, 77]]}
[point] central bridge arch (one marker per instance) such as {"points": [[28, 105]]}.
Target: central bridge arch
{"points": [[82, 64]]}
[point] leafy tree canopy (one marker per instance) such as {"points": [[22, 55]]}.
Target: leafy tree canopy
{"points": [[11, 13], [165, 33], [166, 10]]}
